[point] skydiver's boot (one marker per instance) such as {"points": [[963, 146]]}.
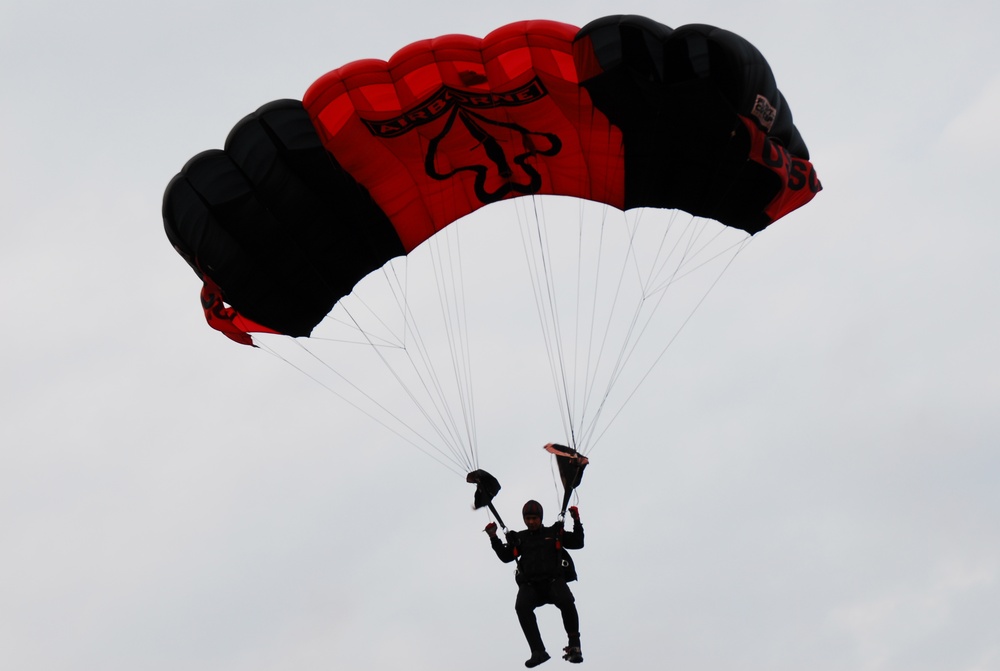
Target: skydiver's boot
{"points": [[573, 652], [537, 657]]}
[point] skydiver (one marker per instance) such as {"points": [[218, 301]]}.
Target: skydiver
{"points": [[542, 572]]}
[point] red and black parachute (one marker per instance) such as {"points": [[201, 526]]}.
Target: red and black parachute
{"points": [[309, 197]]}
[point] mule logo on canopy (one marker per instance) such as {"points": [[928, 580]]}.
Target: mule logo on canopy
{"points": [[500, 151]]}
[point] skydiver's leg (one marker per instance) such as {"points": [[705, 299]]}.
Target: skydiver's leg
{"points": [[527, 601], [562, 597]]}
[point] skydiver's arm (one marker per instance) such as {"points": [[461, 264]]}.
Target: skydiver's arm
{"points": [[573, 540], [504, 552]]}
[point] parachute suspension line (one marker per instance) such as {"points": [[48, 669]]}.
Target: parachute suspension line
{"points": [[449, 441], [451, 296], [676, 274], [575, 388], [592, 365], [576, 327], [532, 254], [739, 248], [433, 377], [420, 361], [634, 331], [579, 411], [537, 257], [620, 317], [397, 341], [691, 234], [615, 303], [679, 275], [449, 461], [590, 369]]}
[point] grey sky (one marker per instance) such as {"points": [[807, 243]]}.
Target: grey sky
{"points": [[808, 480]]}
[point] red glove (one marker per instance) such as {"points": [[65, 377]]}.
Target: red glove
{"points": [[574, 512], [491, 529]]}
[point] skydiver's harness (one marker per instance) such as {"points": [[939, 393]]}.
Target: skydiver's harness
{"points": [[565, 559]]}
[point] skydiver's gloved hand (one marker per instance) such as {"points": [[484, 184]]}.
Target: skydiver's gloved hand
{"points": [[491, 529], [574, 512], [513, 539]]}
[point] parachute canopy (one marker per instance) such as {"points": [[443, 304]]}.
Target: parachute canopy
{"points": [[309, 197]]}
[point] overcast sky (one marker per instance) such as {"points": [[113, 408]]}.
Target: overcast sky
{"points": [[807, 481]]}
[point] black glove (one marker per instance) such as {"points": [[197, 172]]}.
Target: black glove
{"points": [[491, 529], [513, 539]]}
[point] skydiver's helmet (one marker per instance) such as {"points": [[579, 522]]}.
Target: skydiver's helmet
{"points": [[532, 508]]}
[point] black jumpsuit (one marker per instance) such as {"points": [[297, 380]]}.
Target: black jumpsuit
{"points": [[540, 577]]}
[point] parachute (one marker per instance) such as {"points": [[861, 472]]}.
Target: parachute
{"points": [[309, 197]]}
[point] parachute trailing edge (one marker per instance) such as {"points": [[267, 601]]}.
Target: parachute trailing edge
{"points": [[309, 197]]}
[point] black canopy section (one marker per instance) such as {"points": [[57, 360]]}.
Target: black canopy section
{"points": [[275, 222], [677, 93]]}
